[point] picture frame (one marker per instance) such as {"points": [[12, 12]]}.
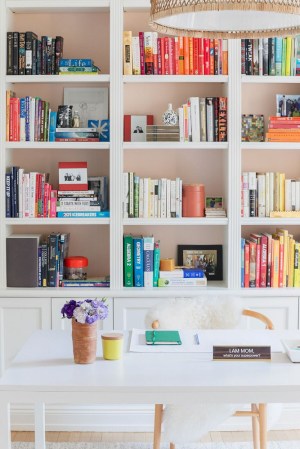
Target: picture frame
{"points": [[207, 257], [214, 202]]}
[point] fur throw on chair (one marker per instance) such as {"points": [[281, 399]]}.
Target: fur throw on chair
{"points": [[188, 423]]}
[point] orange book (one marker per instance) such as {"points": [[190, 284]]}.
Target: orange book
{"points": [[181, 56], [206, 56], [167, 55], [211, 57], [191, 56], [201, 56], [9, 94], [274, 118], [225, 57], [276, 130], [148, 49], [196, 55], [186, 56]]}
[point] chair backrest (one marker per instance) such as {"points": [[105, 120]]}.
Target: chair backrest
{"points": [[246, 312]]}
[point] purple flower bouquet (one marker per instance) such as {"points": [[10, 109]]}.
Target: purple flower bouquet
{"points": [[87, 311]]}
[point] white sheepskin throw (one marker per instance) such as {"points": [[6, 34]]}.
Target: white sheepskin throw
{"points": [[188, 423]]}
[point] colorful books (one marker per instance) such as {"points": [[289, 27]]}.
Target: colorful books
{"points": [[83, 214]]}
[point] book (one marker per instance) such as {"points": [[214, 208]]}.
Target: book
{"points": [[182, 273], [162, 337], [138, 261], [75, 62], [182, 282], [135, 127], [72, 176], [148, 261], [128, 260], [80, 214]]}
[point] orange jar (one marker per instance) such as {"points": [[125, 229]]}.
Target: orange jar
{"points": [[193, 200]]}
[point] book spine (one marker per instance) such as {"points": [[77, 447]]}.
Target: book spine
{"points": [[136, 59], [9, 53], [138, 260], [148, 261], [128, 260], [75, 62], [243, 263], [247, 265], [148, 46], [156, 262], [15, 53], [22, 54], [8, 195], [52, 260], [127, 53], [252, 258], [186, 56]]}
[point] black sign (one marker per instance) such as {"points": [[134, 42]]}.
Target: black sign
{"points": [[242, 353]]}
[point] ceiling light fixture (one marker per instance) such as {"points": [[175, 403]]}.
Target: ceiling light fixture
{"points": [[227, 19]]}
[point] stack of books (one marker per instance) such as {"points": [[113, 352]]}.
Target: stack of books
{"points": [[76, 135], [182, 277], [78, 201], [77, 67], [162, 133], [215, 212], [283, 129], [103, 281]]}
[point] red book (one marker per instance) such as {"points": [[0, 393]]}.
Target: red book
{"points": [[162, 50], [263, 261], [269, 258], [167, 55], [159, 57], [211, 57], [257, 239], [247, 265], [284, 125], [196, 56], [53, 203], [172, 55], [142, 52], [46, 199], [201, 55], [216, 57], [176, 56], [206, 56], [72, 175]]}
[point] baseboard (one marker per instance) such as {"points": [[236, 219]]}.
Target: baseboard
{"points": [[131, 418]]}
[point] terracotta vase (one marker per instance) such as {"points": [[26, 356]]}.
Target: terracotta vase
{"points": [[84, 342]]}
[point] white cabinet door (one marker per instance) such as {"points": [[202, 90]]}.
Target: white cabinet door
{"points": [[20, 317], [58, 323], [130, 313], [282, 311]]}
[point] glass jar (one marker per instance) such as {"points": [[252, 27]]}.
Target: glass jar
{"points": [[75, 267]]}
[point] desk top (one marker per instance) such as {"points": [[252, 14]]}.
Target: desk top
{"points": [[45, 366]]}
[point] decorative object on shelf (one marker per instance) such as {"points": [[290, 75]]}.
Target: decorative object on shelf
{"points": [[75, 267], [112, 345], [214, 207], [72, 176], [170, 117], [90, 102], [207, 257], [193, 200], [135, 127], [232, 19], [76, 119], [162, 133], [64, 116], [84, 316], [252, 128]]}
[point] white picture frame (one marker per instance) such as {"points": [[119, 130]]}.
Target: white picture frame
{"points": [[90, 102]]}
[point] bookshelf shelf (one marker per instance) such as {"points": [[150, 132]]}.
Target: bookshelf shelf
{"points": [[175, 145], [63, 145], [62, 79], [56, 221], [249, 79], [176, 221], [49, 6], [270, 146], [147, 79], [256, 221]]}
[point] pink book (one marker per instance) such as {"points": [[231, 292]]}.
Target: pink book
{"points": [[159, 56], [142, 53], [167, 55], [53, 201], [172, 55]]}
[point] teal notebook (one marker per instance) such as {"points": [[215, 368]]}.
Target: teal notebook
{"points": [[162, 337]]}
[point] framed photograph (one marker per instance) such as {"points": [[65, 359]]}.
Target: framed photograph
{"points": [[91, 103], [207, 257], [214, 201]]}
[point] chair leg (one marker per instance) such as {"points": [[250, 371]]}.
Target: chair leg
{"points": [[255, 428], [263, 425], [157, 425]]}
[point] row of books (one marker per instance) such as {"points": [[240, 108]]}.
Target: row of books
{"points": [[151, 198], [29, 119], [270, 260], [51, 256], [28, 55], [276, 56], [148, 54], [203, 120], [264, 194]]}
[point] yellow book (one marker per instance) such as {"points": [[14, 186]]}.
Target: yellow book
{"points": [[297, 265], [276, 191], [275, 263], [9, 94], [285, 234], [127, 52], [291, 261], [281, 192], [288, 56]]}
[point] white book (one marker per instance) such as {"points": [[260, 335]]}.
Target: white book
{"points": [[148, 261], [125, 202], [155, 198], [163, 205], [261, 184], [159, 199], [141, 198], [245, 209], [252, 180], [32, 190], [181, 124], [136, 58], [20, 191], [288, 194], [25, 195], [173, 199], [297, 194], [189, 122], [293, 193], [131, 194], [168, 198], [180, 197], [177, 199], [195, 118], [152, 187]]}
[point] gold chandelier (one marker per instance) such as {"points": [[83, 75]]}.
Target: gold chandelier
{"points": [[228, 19]]}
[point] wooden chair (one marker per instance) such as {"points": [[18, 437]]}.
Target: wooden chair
{"points": [[258, 412]]}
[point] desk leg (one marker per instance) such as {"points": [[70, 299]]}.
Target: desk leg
{"points": [[5, 437], [39, 426]]}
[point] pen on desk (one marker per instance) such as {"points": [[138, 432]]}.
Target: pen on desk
{"points": [[197, 339]]}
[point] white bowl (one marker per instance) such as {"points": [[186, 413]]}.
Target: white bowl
{"points": [[292, 348]]}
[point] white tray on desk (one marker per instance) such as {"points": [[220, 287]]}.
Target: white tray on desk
{"points": [[292, 348]]}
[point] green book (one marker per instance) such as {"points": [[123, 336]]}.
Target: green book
{"points": [[128, 260], [163, 337]]}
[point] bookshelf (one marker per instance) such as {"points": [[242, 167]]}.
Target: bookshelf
{"points": [[218, 165]]}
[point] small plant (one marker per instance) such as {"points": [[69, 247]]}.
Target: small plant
{"points": [[87, 311]]}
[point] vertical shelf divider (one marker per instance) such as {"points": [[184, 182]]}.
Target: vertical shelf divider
{"points": [[234, 165], [116, 142]]}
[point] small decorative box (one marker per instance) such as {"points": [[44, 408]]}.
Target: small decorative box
{"points": [[252, 128]]}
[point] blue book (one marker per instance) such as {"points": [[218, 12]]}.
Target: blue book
{"points": [[156, 263], [138, 262], [76, 62], [52, 126], [243, 241], [148, 261], [278, 55], [86, 214]]}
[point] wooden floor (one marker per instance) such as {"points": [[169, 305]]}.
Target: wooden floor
{"points": [[147, 437]]}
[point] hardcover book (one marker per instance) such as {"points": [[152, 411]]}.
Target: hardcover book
{"points": [[72, 175]]}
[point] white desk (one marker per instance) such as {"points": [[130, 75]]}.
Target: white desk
{"points": [[44, 372]]}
